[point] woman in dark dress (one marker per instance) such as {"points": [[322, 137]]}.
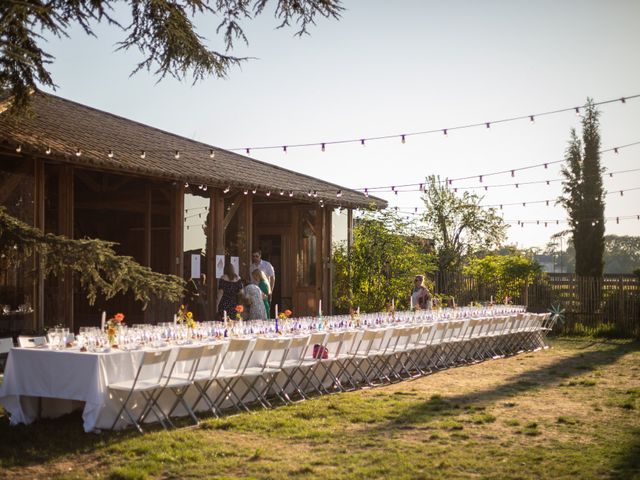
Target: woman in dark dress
{"points": [[229, 285]]}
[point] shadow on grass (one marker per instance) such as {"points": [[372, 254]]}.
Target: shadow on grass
{"points": [[541, 377], [48, 439], [628, 467]]}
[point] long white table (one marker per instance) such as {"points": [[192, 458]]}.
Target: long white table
{"points": [[48, 383]]}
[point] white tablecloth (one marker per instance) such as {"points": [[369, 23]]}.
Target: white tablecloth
{"points": [[61, 379]]}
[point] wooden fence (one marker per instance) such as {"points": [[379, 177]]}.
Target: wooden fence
{"points": [[592, 305]]}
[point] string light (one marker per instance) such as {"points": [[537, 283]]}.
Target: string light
{"points": [[143, 154], [284, 149], [402, 139], [110, 154], [322, 147], [291, 193], [19, 148], [281, 192], [254, 190], [246, 192], [486, 124], [177, 155], [226, 190], [78, 152], [212, 153], [48, 151], [450, 181], [339, 193], [268, 194]]}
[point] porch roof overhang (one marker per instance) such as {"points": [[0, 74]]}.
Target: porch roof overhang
{"points": [[74, 133]]}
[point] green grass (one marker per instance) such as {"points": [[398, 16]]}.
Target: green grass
{"points": [[568, 412]]}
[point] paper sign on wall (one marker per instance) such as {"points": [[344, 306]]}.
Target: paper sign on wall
{"points": [[195, 265], [235, 261], [219, 265]]}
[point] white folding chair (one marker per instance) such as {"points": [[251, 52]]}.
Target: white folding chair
{"points": [[147, 382], [290, 364], [205, 376], [307, 368], [6, 344], [233, 365], [181, 377], [30, 342], [337, 346], [365, 352], [265, 371]]}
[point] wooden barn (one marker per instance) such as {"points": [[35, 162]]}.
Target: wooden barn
{"points": [[174, 204]]}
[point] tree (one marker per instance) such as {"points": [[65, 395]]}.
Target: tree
{"points": [[510, 274], [621, 253], [162, 30], [385, 256], [458, 225], [93, 262], [584, 195]]}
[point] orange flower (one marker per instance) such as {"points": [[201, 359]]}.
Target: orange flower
{"points": [[239, 308], [288, 312], [118, 317]]}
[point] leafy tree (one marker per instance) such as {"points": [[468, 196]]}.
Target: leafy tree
{"points": [[459, 226], [93, 262], [621, 253], [162, 30], [584, 195], [509, 273], [385, 256]]}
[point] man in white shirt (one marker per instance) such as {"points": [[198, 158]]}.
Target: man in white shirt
{"points": [[258, 264]]}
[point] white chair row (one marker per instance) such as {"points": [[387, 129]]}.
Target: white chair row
{"points": [[245, 371]]}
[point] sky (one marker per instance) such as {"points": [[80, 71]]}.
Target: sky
{"points": [[391, 68]]}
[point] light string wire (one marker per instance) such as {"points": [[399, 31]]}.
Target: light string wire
{"points": [[445, 131], [481, 176]]}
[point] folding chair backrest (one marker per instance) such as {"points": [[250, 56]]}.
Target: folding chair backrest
{"points": [[237, 346], [28, 342], [211, 358], [5, 345], [153, 365], [298, 346], [272, 347], [316, 338], [186, 361]]}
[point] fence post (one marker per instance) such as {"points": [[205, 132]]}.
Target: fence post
{"points": [[621, 304]]}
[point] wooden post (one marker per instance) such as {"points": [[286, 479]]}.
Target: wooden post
{"points": [[147, 242], [215, 246], [38, 222], [65, 227]]}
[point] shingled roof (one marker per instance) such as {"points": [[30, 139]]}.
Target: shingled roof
{"points": [[89, 137]]}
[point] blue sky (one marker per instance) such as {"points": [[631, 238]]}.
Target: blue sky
{"points": [[396, 67]]}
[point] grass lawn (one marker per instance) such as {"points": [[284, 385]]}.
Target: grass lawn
{"points": [[572, 411]]}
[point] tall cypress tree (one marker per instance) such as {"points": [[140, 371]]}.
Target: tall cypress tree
{"points": [[583, 194]]}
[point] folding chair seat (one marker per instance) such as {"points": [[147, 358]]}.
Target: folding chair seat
{"points": [[146, 383], [474, 340], [494, 335], [205, 375], [266, 371], [181, 376], [30, 342], [233, 365]]}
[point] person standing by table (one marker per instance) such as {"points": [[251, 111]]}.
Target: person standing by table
{"points": [[229, 286], [257, 263], [420, 295], [260, 279]]}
